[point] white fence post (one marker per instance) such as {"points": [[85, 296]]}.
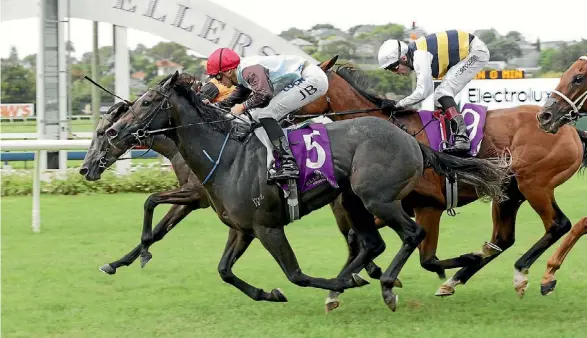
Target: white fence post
{"points": [[37, 146], [37, 193]]}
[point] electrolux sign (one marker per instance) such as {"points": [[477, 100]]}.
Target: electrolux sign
{"points": [[507, 93]]}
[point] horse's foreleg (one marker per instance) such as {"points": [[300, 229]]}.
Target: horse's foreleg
{"points": [[175, 214], [184, 195], [236, 245], [554, 263], [556, 225]]}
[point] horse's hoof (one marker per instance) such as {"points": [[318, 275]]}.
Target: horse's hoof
{"points": [[331, 304], [521, 290], [391, 302], [548, 288], [520, 282], [145, 258], [359, 281], [445, 290], [107, 269], [278, 296]]}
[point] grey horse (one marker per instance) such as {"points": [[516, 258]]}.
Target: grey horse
{"points": [[371, 179], [189, 196]]}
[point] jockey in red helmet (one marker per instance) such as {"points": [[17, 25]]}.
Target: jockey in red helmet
{"points": [[269, 87]]}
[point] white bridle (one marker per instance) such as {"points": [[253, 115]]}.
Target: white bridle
{"points": [[576, 106]]}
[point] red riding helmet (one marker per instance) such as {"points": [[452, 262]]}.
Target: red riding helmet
{"points": [[221, 60]]}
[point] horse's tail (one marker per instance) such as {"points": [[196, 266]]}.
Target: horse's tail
{"points": [[487, 176], [583, 137]]}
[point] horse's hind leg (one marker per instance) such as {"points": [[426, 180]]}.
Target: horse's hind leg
{"points": [[236, 245], [363, 247], [175, 214], [556, 260], [429, 219], [411, 235], [345, 227], [350, 239]]}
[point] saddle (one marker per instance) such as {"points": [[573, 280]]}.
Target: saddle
{"points": [[439, 135], [310, 146]]}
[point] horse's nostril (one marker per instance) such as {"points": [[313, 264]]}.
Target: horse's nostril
{"points": [[84, 171], [545, 117], [111, 132]]}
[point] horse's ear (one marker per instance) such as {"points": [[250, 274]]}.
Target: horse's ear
{"points": [[117, 109], [326, 65], [171, 80]]}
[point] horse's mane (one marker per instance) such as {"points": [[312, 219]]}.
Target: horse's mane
{"points": [[208, 113], [360, 82]]}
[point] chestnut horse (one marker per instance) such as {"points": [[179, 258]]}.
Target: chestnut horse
{"points": [[565, 106], [540, 163]]}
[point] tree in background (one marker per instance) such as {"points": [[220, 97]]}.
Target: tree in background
{"points": [[18, 75], [487, 35], [323, 26], [384, 82], [514, 36], [30, 61], [18, 83], [559, 60], [382, 33], [293, 33], [504, 49], [13, 56], [343, 48], [501, 48]]}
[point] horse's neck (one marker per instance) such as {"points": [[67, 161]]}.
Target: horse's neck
{"points": [[195, 141], [164, 146], [409, 119]]}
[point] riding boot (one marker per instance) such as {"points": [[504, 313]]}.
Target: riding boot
{"points": [[288, 167], [459, 131]]}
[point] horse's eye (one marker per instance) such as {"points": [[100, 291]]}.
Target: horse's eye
{"points": [[146, 103], [578, 79]]}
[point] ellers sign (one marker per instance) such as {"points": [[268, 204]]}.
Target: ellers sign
{"points": [[200, 25]]}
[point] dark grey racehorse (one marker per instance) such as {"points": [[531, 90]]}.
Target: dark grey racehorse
{"points": [[189, 196], [372, 181]]}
